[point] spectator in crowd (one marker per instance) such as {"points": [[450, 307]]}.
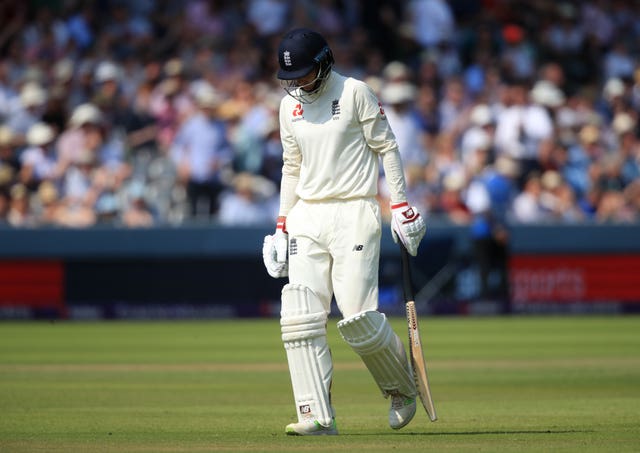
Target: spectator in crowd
{"points": [[618, 62], [453, 106], [431, 22], [84, 123], [397, 98], [9, 162], [581, 169], [451, 202], [9, 100], [557, 199], [518, 58], [39, 160], [425, 111], [20, 213], [520, 127], [30, 109], [201, 154], [626, 143], [81, 186], [489, 198], [527, 207], [47, 205], [479, 135], [251, 200], [138, 212]]}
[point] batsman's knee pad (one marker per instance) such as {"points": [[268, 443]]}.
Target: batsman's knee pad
{"points": [[371, 336], [303, 323]]}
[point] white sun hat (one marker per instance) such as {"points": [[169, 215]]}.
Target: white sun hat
{"points": [[40, 134]]}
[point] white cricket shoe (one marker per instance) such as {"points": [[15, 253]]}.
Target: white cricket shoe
{"points": [[402, 410], [311, 429]]}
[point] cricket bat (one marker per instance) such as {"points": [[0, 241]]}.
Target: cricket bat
{"points": [[418, 364]]}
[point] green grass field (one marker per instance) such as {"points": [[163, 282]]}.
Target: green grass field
{"points": [[527, 384]]}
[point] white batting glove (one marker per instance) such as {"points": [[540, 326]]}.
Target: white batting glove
{"points": [[274, 251], [408, 226], [281, 240]]}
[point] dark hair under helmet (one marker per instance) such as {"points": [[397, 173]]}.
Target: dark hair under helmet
{"points": [[300, 51]]}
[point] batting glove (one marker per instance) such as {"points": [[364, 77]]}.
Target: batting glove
{"points": [[407, 225], [274, 251]]}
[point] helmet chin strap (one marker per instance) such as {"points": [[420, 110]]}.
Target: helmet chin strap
{"points": [[300, 94]]}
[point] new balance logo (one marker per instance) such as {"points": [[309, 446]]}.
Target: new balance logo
{"points": [[358, 248], [305, 409], [293, 247]]}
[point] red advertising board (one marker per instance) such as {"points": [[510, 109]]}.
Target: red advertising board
{"points": [[33, 284], [566, 278]]}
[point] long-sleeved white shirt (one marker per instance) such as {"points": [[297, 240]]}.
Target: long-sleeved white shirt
{"points": [[332, 146]]}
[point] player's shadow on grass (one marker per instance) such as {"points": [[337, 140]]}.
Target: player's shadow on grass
{"points": [[479, 433]]}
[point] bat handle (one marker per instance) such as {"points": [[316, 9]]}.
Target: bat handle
{"points": [[407, 285]]}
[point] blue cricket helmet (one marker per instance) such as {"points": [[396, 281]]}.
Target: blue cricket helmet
{"points": [[300, 51]]}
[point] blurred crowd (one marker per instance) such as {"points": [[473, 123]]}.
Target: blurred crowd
{"points": [[164, 112]]}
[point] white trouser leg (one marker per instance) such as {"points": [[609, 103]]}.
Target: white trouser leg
{"points": [[303, 324]]}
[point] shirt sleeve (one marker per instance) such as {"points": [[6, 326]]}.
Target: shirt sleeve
{"points": [[394, 175], [292, 159], [372, 118], [380, 139]]}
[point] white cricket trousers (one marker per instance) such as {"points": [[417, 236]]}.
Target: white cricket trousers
{"points": [[334, 249]]}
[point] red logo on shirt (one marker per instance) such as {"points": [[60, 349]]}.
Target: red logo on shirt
{"points": [[297, 110], [381, 109]]}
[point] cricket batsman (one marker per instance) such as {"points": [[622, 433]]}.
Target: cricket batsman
{"points": [[327, 237]]}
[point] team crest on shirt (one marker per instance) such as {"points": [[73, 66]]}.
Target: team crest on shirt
{"points": [[335, 109]]}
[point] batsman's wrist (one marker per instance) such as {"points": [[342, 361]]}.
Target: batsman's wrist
{"points": [[399, 206], [281, 224]]}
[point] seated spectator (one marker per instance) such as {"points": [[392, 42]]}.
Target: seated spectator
{"points": [[47, 205], [558, 199], [398, 98], [252, 201], [9, 161], [579, 167], [137, 212], [39, 160], [527, 207], [84, 120], [20, 213], [107, 209], [29, 112], [479, 135], [80, 190], [614, 208], [451, 202]]}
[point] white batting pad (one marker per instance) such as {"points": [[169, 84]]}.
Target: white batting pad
{"points": [[303, 323], [371, 336]]}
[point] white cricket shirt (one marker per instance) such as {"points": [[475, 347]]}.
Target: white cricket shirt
{"points": [[331, 147]]}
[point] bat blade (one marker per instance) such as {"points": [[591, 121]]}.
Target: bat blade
{"points": [[418, 363]]}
